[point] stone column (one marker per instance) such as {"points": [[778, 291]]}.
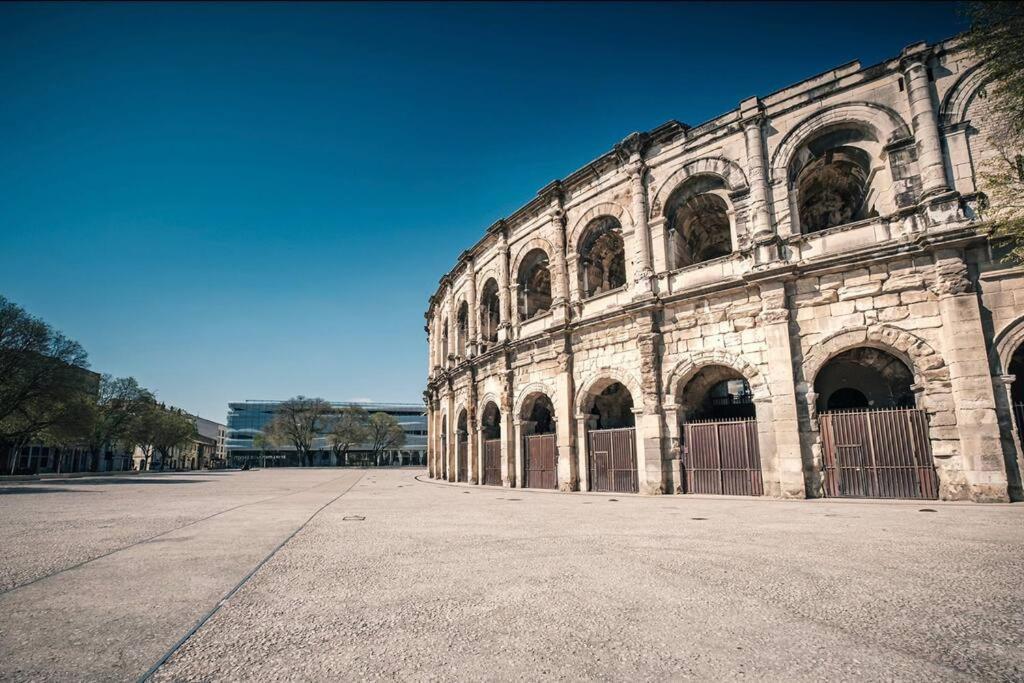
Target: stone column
{"points": [[752, 114], [914, 64], [474, 333], [508, 442], [568, 477], [582, 452], [559, 278], [504, 293], [474, 455], [453, 341], [966, 356], [514, 321], [517, 431], [648, 423], [431, 433], [641, 233], [1011, 436], [675, 461], [451, 440], [784, 473]]}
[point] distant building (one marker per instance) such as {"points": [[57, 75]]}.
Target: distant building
{"points": [[205, 451], [247, 419]]}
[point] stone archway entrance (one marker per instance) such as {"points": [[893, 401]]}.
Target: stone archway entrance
{"points": [[874, 440], [720, 449], [540, 452], [611, 441], [490, 426]]}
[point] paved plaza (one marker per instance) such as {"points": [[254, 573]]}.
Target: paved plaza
{"points": [[377, 574]]}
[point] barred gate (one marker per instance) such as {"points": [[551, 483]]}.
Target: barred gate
{"points": [[613, 460], [492, 462], [1018, 416], [462, 471], [878, 454], [541, 464], [722, 457]]}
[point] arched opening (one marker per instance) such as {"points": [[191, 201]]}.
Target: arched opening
{"points": [[462, 448], [540, 453], [832, 176], [490, 427], [721, 453], [864, 377], [874, 442], [490, 314], [602, 257], [534, 285], [697, 221], [611, 438], [462, 330], [1017, 388]]}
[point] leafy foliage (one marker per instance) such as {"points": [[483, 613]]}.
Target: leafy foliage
{"points": [[350, 427], [997, 36], [385, 433], [298, 422]]}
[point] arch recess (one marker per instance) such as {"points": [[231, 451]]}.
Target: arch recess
{"points": [[954, 105], [612, 209], [918, 355], [1009, 339], [528, 391], [729, 171], [687, 369], [489, 397], [524, 250], [596, 381], [889, 126]]}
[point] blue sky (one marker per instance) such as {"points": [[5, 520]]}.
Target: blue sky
{"points": [[255, 201]]}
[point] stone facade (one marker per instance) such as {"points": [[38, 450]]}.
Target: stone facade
{"points": [[828, 226]]}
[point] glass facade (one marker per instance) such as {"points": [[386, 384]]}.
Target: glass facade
{"points": [[246, 419]]}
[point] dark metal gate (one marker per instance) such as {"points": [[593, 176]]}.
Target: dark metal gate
{"points": [[878, 454], [492, 462], [722, 457], [1018, 416], [613, 460], [541, 461], [463, 465]]}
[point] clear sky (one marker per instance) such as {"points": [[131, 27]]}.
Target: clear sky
{"points": [[255, 201]]}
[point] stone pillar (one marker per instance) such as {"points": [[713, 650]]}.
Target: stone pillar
{"points": [[504, 293], [966, 356], [453, 341], [752, 114], [475, 451], [508, 442], [784, 473], [650, 461], [675, 461], [474, 328], [582, 452], [914, 64], [514, 321], [559, 277], [517, 432], [431, 434], [1010, 433], [641, 233], [451, 440], [568, 477]]}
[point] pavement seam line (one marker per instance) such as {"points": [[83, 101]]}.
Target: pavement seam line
{"points": [[227, 596], [162, 533]]}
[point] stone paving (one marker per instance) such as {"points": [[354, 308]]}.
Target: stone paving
{"points": [[400, 578]]}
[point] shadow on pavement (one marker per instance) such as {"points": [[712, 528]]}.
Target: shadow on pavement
{"points": [[13, 490]]}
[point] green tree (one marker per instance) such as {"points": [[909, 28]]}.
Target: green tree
{"points": [[997, 37], [349, 428], [298, 422], [176, 430], [118, 403], [41, 371], [260, 442], [385, 434]]}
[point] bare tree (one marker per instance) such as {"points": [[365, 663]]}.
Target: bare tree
{"points": [[298, 422], [174, 429], [349, 428], [385, 434]]}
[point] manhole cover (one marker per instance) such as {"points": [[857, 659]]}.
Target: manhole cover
{"points": [[515, 499], [613, 500], [353, 518], [699, 519], [927, 510]]}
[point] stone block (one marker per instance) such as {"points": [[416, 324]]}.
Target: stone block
{"points": [[893, 313], [856, 291]]}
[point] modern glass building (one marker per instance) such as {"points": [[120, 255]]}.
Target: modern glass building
{"points": [[246, 419]]}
